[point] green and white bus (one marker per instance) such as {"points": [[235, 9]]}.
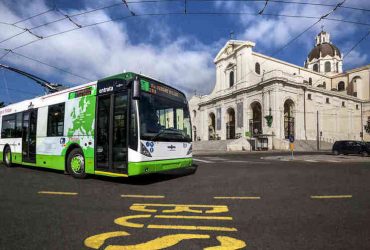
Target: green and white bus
{"points": [[124, 125]]}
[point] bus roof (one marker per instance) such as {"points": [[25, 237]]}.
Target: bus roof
{"points": [[131, 76], [25, 103]]}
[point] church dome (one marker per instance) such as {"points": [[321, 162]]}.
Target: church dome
{"points": [[325, 49]]}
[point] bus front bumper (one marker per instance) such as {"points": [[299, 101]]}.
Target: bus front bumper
{"points": [[148, 167]]}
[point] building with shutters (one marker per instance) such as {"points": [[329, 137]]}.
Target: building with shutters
{"points": [[268, 101]]}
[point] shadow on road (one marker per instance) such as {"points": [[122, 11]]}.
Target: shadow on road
{"points": [[148, 179], [134, 180]]}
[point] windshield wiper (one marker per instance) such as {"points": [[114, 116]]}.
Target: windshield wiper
{"points": [[163, 131]]}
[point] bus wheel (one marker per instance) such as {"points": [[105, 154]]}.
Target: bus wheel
{"points": [[8, 157], [76, 163]]}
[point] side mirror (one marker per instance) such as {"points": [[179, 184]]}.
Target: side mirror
{"points": [[136, 90]]}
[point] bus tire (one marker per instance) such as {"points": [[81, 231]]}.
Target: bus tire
{"points": [[76, 163], [7, 157]]}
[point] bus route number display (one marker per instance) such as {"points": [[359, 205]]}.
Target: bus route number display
{"points": [[157, 89]]}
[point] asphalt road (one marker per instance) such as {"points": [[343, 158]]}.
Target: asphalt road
{"points": [[232, 200]]}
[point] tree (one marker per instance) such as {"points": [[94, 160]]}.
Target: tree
{"points": [[2, 104]]}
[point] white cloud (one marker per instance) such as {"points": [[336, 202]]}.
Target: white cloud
{"points": [[355, 59], [107, 49], [271, 32]]}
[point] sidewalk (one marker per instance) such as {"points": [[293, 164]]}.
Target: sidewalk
{"points": [[269, 152], [319, 158]]}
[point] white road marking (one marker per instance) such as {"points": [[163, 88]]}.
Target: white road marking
{"points": [[215, 158], [202, 160], [311, 160]]}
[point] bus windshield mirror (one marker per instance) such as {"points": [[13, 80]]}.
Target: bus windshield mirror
{"points": [[136, 89]]}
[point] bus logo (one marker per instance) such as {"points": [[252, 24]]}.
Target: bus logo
{"points": [[171, 148], [105, 90]]}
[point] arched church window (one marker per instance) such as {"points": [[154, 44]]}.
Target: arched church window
{"points": [[341, 86], [337, 67], [310, 81], [316, 67], [324, 85], [257, 68], [327, 67], [231, 78]]}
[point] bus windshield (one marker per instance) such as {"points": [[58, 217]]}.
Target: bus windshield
{"points": [[164, 119]]}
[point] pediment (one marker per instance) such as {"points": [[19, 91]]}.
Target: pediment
{"points": [[230, 48]]}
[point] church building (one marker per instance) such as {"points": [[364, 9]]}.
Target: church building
{"points": [[268, 101]]}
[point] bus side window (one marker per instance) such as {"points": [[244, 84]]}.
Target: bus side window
{"points": [[56, 120], [8, 126]]}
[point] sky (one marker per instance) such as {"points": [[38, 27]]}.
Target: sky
{"points": [[177, 49]]}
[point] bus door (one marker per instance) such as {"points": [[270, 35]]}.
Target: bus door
{"points": [[29, 127], [111, 141]]}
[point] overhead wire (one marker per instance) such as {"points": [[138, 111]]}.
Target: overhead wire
{"points": [[181, 13], [194, 13], [31, 17], [247, 1], [67, 17], [6, 86], [128, 8], [57, 20], [162, 14], [298, 36], [264, 7], [358, 43], [349, 51], [49, 65]]}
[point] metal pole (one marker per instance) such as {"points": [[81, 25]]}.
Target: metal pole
{"points": [[362, 125], [318, 132]]}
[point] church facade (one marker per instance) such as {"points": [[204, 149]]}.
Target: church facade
{"points": [[269, 101]]}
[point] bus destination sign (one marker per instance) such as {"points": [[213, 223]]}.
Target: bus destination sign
{"points": [[80, 93], [158, 89]]}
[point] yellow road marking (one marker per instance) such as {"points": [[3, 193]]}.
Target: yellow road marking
{"points": [[123, 221], [110, 174], [237, 198], [331, 196], [228, 243], [57, 193], [194, 217], [97, 241], [159, 243], [174, 205], [143, 196], [179, 208], [183, 227]]}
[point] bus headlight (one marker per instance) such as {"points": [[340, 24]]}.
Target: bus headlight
{"points": [[145, 151], [190, 150]]}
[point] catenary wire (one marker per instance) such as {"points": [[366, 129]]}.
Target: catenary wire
{"points": [[348, 52], [248, 1], [31, 17], [46, 64], [299, 35], [187, 12]]}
